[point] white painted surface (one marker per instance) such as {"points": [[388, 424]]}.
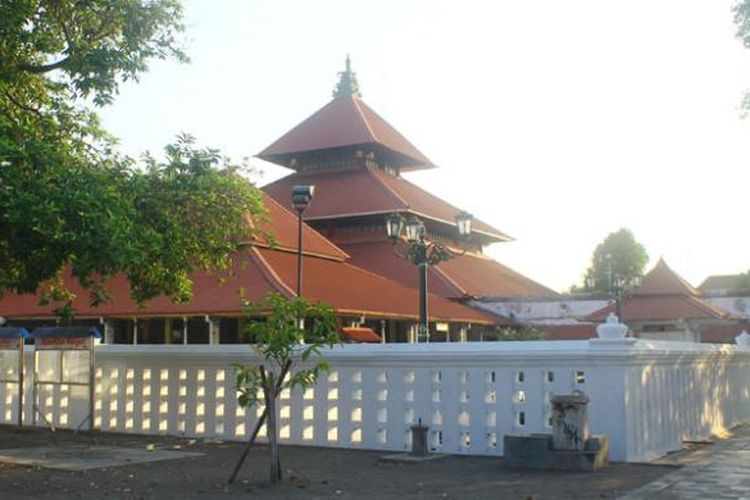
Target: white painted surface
{"points": [[739, 306], [552, 311], [646, 396]]}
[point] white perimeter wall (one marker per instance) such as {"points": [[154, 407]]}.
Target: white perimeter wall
{"points": [[647, 396]]}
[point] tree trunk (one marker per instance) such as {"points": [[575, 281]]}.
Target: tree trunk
{"points": [[271, 423], [262, 419]]}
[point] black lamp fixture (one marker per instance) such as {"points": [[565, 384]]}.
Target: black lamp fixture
{"points": [[302, 196], [424, 253]]}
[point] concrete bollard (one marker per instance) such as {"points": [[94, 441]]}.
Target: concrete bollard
{"points": [[419, 445], [570, 422]]}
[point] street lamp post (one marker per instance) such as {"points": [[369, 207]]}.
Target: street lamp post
{"points": [[301, 198], [424, 253]]}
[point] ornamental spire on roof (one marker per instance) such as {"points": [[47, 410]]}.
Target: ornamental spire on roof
{"points": [[347, 84]]}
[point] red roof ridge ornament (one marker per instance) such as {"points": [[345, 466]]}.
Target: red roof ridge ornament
{"points": [[347, 86]]}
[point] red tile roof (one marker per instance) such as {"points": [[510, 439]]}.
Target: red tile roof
{"points": [[220, 293], [363, 191], [361, 334], [257, 272], [466, 276], [662, 295], [282, 226], [480, 276], [345, 121], [579, 331], [661, 308], [662, 280], [351, 289], [724, 333]]}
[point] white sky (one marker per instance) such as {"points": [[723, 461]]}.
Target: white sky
{"points": [[557, 122]]}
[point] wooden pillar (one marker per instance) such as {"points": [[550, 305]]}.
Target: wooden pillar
{"points": [[463, 334], [168, 330]]}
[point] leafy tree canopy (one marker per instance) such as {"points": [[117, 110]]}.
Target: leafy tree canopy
{"points": [[67, 198], [619, 257], [741, 12]]}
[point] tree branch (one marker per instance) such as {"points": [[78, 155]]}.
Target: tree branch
{"points": [[23, 106], [44, 68]]}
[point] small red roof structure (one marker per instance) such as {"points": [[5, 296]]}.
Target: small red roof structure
{"points": [[662, 296], [725, 333], [361, 334], [575, 331]]}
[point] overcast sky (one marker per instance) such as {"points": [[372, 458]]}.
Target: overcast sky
{"points": [[557, 122]]}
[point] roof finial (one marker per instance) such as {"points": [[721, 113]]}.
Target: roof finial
{"points": [[347, 84]]}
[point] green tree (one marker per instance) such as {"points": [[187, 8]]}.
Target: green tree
{"points": [[68, 201], [520, 333], [741, 11], [290, 357], [618, 258]]}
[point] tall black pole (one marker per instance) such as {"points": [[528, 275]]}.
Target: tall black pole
{"points": [[299, 254], [422, 263], [618, 310]]}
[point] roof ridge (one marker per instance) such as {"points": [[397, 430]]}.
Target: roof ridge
{"points": [[375, 174], [373, 136], [449, 281], [431, 295], [711, 308], [271, 276], [451, 206], [336, 253]]}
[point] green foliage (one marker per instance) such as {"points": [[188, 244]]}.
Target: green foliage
{"points": [[95, 44], [741, 11], [68, 200], [743, 283], [524, 333], [290, 357], [279, 342], [618, 256]]}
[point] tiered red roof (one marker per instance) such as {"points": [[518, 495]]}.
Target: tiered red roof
{"points": [[351, 194], [663, 295], [364, 191], [262, 269], [345, 121]]}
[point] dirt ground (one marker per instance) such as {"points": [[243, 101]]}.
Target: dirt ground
{"points": [[310, 473]]}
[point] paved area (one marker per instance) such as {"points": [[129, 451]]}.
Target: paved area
{"points": [[75, 457], [720, 470]]}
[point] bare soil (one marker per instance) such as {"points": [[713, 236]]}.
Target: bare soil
{"points": [[309, 473]]}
